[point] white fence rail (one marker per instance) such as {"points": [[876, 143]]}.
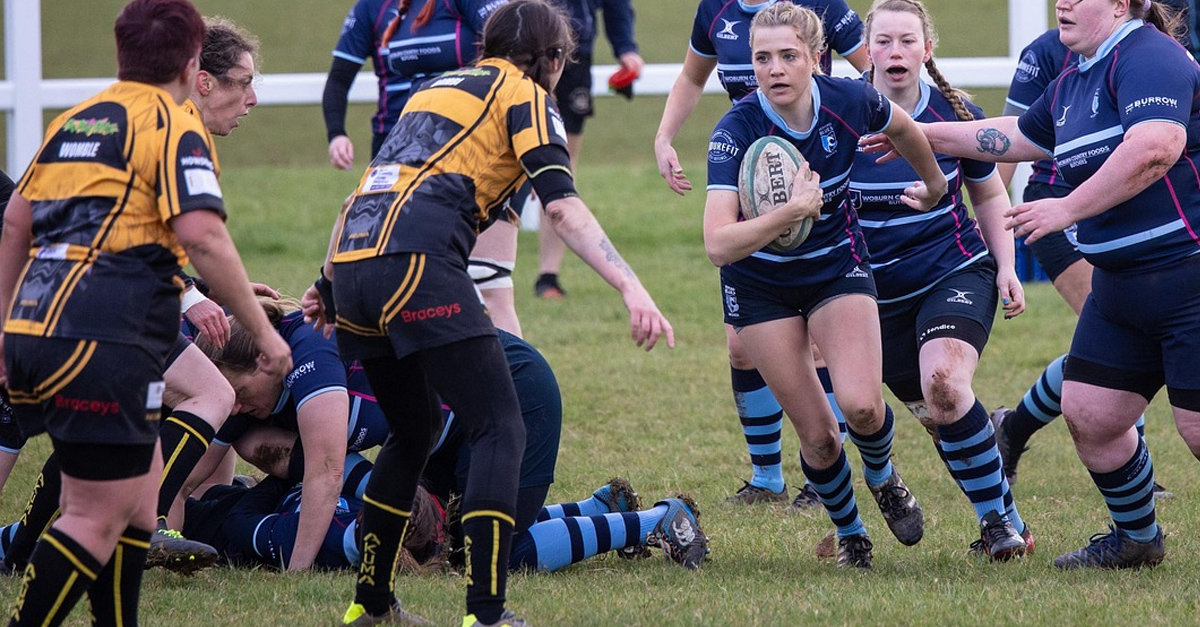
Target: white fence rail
{"points": [[25, 94]]}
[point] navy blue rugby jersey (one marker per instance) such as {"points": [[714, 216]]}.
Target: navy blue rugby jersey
{"points": [[1138, 75], [1041, 61], [447, 42], [618, 24], [722, 31], [362, 32], [912, 250], [317, 369], [845, 110]]}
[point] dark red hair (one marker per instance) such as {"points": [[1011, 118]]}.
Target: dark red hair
{"points": [[156, 39], [421, 20]]}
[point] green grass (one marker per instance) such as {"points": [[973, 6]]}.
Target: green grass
{"points": [[665, 420]]}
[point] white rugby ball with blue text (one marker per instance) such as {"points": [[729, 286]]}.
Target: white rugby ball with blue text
{"points": [[765, 183]]}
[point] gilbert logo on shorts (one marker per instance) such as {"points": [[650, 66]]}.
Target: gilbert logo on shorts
{"points": [[430, 313], [960, 297], [88, 405]]}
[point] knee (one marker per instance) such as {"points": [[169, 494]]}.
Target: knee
{"points": [[738, 357], [864, 415], [946, 397], [821, 450]]}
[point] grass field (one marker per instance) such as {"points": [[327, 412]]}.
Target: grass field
{"points": [[664, 420]]}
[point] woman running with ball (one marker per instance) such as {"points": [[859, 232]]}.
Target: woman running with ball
{"points": [[824, 286]]}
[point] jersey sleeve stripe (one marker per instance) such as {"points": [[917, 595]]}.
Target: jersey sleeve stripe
{"points": [[349, 57], [315, 393]]}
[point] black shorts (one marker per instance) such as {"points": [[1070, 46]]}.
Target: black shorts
{"points": [[961, 306], [574, 93], [84, 391], [1056, 251], [180, 345], [748, 301], [383, 309]]}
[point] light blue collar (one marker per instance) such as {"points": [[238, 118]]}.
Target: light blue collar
{"points": [[777, 119], [923, 102], [1110, 43], [755, 8]]}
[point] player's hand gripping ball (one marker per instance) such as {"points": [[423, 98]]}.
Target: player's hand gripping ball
{"points": [[765, 184]]}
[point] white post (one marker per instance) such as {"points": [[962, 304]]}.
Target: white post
{"points": [[23, 68], [1026, 21]]}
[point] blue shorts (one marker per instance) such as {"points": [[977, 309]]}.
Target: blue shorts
{"points": [[748, 301], [11, 438], [961, 306], [1142, 330], [1057, 251], [541, 409], [425, 300]]}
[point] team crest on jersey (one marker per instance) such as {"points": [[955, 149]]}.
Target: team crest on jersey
{"points": [[960, 297], [1027, 68], [828, 139], [855, 196], [731, 304], [727, 30], [1095, 103]]}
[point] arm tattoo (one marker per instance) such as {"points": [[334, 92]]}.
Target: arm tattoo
{"points": [[614, 257], [992, 141]]}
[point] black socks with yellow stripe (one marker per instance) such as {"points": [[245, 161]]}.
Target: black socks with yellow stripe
{"points": [[185, 437], [380, 546], [114, 596], [59, 572], [487, 539]]}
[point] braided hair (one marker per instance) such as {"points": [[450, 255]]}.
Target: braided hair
{"points": [[956, 97], [421, 20]]}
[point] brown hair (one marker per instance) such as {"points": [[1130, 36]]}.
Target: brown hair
{"points": [[426, 544], [224, 46], [807, 25], [1167, 19], [239, 355], [156, 39], [530, 33], [955, 97]]}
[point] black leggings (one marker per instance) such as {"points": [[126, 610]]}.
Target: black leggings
{"points": [[472, 377]]}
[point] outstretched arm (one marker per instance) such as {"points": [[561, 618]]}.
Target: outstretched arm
{"points": [[682, 100], [575, 224]]}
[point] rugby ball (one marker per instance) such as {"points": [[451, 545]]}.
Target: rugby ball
{"points": [[765, 183]]}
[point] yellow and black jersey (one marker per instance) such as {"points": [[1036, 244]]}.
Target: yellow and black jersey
{"points": [[453, 158], [110, 174]]}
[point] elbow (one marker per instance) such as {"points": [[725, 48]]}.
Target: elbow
{"points": [[718, 257]]}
